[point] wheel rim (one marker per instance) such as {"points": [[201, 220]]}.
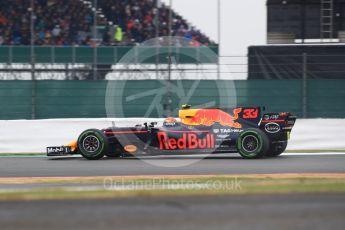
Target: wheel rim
{"points": [[250, 143], [91, 144]]}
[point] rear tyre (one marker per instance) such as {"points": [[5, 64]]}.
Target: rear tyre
{"points": [[252, 144], [276, 149], [93, 144]]}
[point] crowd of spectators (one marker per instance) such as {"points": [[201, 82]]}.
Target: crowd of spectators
{"points": [[56, 22], [14, 22], [140, 22], [70, 23]]}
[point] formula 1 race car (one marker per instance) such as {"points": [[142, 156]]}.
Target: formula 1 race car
{"points": [[242, 130]]}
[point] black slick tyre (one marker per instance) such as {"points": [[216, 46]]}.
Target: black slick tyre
{"points": [[93, 144], [252, 144], [276, 149]]}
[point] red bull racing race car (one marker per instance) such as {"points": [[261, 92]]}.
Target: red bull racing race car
{"points": [[242, 130]]}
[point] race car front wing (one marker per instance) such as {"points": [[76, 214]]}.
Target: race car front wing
{"points": [[59, 151]]}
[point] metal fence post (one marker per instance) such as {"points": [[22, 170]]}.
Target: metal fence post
{"points": [[52, 54], [95, 40], [10, 59], [32, 61], [116, 61], [305, 86], [198, 62], [219, 38], [10, 56], [158, 4], [33, 99], [95, 57], [73, 62]]}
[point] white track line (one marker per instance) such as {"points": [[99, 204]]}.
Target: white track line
{"points": [[196, 155], [313, 154]]}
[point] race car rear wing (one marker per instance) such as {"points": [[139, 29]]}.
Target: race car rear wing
{"points": [[285, 120]]}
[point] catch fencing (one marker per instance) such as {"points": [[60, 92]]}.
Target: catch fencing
{"points": [[153, 98]]}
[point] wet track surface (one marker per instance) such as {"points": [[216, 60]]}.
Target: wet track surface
{"points": [[269, 212], [298, 211], [77, 166]]}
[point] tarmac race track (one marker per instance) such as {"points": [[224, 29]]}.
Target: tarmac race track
{"points": [[229, 164], [266, 212]]}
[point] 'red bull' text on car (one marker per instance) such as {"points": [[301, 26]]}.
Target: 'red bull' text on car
{"points": [[242, 130]]}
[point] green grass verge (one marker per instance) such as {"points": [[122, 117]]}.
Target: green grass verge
{"points": [[216, 185]]}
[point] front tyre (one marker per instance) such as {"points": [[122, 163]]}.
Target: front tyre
{"points": [[252, 144], [93, 144]]}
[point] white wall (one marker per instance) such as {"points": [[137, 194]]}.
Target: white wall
{"points": [[20, 136], [28, 136]]}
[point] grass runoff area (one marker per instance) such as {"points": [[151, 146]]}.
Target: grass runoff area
{"points": [[153, 186]]}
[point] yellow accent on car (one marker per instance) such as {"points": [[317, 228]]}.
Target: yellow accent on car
{"points": [[186, 114]]}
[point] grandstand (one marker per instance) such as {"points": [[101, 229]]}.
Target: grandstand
{"points": [[301, 21], [305, 41], [88, 40], [85, 39], [71, 23]]}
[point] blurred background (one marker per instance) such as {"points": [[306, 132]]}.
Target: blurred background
{"points": [[57, 57]]}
